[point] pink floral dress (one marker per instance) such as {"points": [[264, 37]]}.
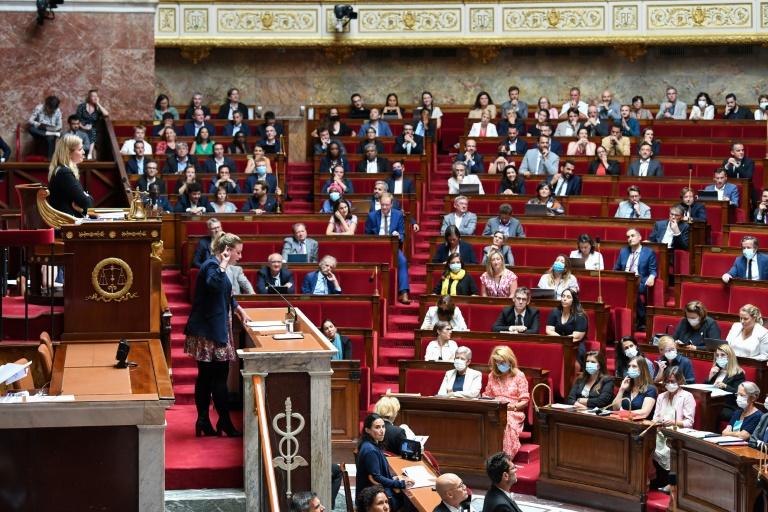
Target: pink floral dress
{"points": [[504, 288], [511, 389]]}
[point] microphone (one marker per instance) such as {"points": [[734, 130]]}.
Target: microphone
{"points": [[599, 275], [290, 315]]}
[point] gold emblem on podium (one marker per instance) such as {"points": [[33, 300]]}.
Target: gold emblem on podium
{"points": [[112, 279]]}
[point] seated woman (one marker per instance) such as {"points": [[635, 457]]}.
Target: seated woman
{"points": [[638, 109], [462, 381], [342, 343], [544, 196], [637, 392], [511, 182], [498, 244], [569, 319], [370, 138], [483, 102], [485, 128], [594, 387], [203, 144], [454, 245], [334, 198], [544, 104], [675, 407], [508, 384], [602, 166], [726, 374], [342, 222], [692, 210], [748, 337], [455, 280], [459, 177], [372, 466], [167, 146], [542, 118], [696, 326], [446, 311], [649, 138], [239, 145], [259, 156], [339, 177], [333, 157], [223, 179], [585, 249], [559, 277], [761, 113], [581, 146], [746, 417], [702, 108], [501, 162], [497, 280], [670, 357], [443, 348], [426, 124], [387, 407], [391, 108], [627, 351], [221, 205]]}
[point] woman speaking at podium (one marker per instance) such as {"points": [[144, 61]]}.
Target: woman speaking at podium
{"points": [[209, 335], [64, 177]]}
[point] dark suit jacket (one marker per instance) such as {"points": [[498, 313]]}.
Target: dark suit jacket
{"points": [[508, 315], [202, 252], [212, 304], [190, 112], [572, 187], [417, 150], [646, 265], [477, 165], [253, 204], [262, 132], [466, 286], [408, 186], [497, 500], [601, 129], [698, 211], [654, 168], [264, 275], [172, 163], [310, 281], [224, 111], [144, 187], [381, 163], [745, 170], [361, 146], [678, 242], [556, 147], [519, 148], [614, 169], [396, 223], [209, 165], [162, 204], [395, 205], [269, 179], [183, 203], [65, 189], [600, 395], [132, 165], [326, 163], [229, 129], [393, 438], [189, 129], [739, 268], [466, 252]]}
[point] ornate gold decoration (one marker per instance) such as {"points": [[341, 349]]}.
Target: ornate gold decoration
{"points": [[484, 54], [338, 53], [166, 19], [481, 20], [51, 216], [154, 233], [288, 446], [112, 234], [195, 55], [69, 235], [625, 17], [112, 279], [764, 15], [90, 234], [137, 211], [252, 20], [557, 18], [632, 52], [195, 20], [157, 251], [393, 20], [129, 234], [695, 16]]}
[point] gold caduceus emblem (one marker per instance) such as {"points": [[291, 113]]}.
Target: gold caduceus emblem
{"points": [[112, 279]]}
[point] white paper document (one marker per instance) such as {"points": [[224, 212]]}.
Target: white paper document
{"points": [[714, 391], [11, 372], [420, 476]]}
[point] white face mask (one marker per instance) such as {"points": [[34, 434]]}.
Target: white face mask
{"points": [[741, 401], [702, 104], [694, 322], [764, 105], [459, 364], [631, 352], [671, 354], [671, 387]]}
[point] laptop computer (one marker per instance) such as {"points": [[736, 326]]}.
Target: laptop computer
{"points": [[469, 189], [577, 263], [706, 195], [281, 289], [542, 293], [297, 258], [712, 344], [536, 209]]}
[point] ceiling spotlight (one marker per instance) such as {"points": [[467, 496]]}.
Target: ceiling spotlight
{"points": [[343, 13]]}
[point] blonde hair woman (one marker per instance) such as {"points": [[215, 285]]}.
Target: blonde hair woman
{"points": [[748, 337], [387, 407], [508, 384], [726, 374], [64, 177], [497, 280]]}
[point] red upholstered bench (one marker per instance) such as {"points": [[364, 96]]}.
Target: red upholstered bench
{"points": [[715, 296], [741, 295], [714, 264]]}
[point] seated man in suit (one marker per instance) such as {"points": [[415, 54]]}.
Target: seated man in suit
{"points": [[513, 144], [463, 219], [300, 244], [136, 164], [372, 163], [388, 221], [595, 126], [149, 177], [616, 143], [735, 111], [633, 208], [452, 492], [750, 265], [520, 318], [193, 201], [761, 212], [673, 232], [139, 132], [260, 175], [156, 202], [505, 223], [554, 144], [357, 109], [374, 121], [511, 119], [274, 274], [236, 125], [224, 179], [503, 475], [261, 201], [646, 165], [641, 261], [569, 127], [540, 161], [672, 108], [270, 142], [692, 209], [217, 159], [408, 143], [198, 121], [398, 184], [471, 157], [178, 162], [738, 165], [379, 189], [565, 182], [322, 281], [725, 191], [324, 140], [269, 120], [203, 250]]}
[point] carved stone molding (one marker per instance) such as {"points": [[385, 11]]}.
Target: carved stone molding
{"points": [[338, 53], [631, 52], [195, 54], [525, 19], [411, 20], [484, 54], [699, 16], [249, 21]]}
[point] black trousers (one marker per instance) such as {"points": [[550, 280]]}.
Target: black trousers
{"points": [[212, 382], [50, 140]]}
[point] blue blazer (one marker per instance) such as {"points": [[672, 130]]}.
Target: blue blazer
{"points": [[229, 128], [697, 211], [202, 252], [310, 281], [739, 268], [466, 252], [270, 179], [408, 186], [678, 242], [372, 463], [396, 223], [646, 266], [730, 191], [212, 304], [189, 129], [395, 205], [477, 166], [253, 204], [183, 203], [210, 165]]}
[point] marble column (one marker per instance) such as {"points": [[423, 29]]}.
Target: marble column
{"points": [[320, 398], [151, 468]]}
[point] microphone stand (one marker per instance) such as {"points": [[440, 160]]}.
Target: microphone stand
{"points": [[290, 315], [599, 274]]}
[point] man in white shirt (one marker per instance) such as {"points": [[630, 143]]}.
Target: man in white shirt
{"points": [[139, 132], [646, 165], [576, 103], [725, 191]]}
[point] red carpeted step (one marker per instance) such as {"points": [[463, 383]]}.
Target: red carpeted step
{"points": [[419, 288], [527, 476], [528, 453], [389, 356], [397, 339], [184, 375], [185, 394], [181, 360], [403, 322], [657, 502]]}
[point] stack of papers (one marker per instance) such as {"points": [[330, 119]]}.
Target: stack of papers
{"points": [[11, 372], [725, 440], [714, 391], [698, 434], [420, 476], [266, 326]]}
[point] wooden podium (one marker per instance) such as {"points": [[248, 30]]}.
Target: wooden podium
{"points": [[292, 381], [112, 280]]}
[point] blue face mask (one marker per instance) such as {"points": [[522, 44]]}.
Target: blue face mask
{"points": [[591, 367], [335, 196], [633, 373], [502, 367], [748, 253], [722, 362], [261, 170], [455, 267], [558, 266], [397, 172]]}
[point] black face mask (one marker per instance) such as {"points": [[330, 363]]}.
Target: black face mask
{"points": [[334, 118]]}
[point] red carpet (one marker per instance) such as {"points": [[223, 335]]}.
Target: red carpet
{"points": [[39, 319]]}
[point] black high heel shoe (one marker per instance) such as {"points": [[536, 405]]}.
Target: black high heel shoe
{"points": [[226, 426], [204, 428]]}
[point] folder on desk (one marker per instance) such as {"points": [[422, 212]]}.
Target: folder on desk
{"points": [[11, 372]]}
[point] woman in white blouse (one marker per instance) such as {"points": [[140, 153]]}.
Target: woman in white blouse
{"points": [[446, 311], [462, 381], [703, 107], [761, 112], [443, 348], [459, 177], [593, 260], [559, 277], [748, 337], [485, 128]]}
